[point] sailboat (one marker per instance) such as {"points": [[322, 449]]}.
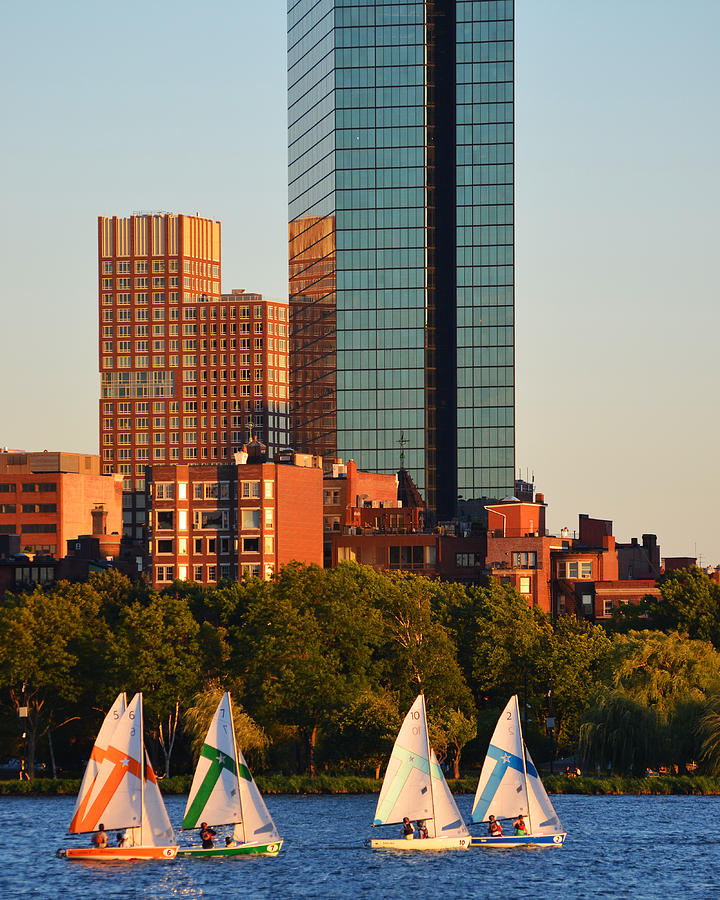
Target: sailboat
{"points": [[510, 786], [120, 791], [414, 787], [223, 792]]}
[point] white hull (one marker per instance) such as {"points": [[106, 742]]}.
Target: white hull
{"points": [[438, 843], [528, 840]]}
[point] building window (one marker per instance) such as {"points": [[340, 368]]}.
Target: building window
{"points": [[250, 519], [165, 519], [586, 570], [406, 557], [469, 560], [165, 546], [251, 489], [524, 584], [211, 519], [524, 560], [251, 545]]}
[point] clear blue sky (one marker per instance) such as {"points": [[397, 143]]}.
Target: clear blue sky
{"points": [[113, 108]]}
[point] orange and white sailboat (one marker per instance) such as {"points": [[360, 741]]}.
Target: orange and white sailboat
{"points": [[120, 791]]}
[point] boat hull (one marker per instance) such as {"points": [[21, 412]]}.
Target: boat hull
{"points": [[518, 840], [438, 843], [119, 854], [270, 849]]}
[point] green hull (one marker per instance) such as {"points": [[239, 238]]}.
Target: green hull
{"points": [[270, 849]]}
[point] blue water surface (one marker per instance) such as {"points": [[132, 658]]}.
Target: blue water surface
{"points": [[640, 847]]}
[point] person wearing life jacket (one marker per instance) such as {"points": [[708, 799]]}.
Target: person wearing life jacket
{"points": [[494, 827], [100, 838], [206, 836], [519, 825], [408, 831], [422, 829]]}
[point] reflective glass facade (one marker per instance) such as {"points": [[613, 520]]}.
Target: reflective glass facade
{"points": [[401, 239]]}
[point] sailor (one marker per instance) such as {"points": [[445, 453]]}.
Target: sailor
{"points": [[100, 838], [408, 830], [494, 827], [229, 842], [422, 829], [519, 825], [123, 839], [206, 836]]}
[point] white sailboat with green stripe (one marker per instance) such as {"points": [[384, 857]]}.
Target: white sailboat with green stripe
{"points": [[414, 788], [223, 793]]}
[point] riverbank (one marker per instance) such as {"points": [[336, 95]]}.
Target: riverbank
{"points": [[699, 785]]}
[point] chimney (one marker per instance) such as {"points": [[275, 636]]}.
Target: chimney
{"points": [[99, 519]]}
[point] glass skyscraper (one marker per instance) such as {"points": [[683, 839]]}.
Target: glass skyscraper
{"points": [[401, 239]]}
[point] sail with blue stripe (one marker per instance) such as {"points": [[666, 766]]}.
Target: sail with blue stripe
{"points": [[509, 784]]}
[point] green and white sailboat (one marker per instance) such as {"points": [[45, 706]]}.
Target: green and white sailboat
{"points": [[223, 792]]}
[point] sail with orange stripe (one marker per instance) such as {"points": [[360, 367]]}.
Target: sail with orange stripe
{"points": [[97, 755]]}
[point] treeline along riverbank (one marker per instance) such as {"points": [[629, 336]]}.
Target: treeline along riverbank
{"points": [[699, 785], [324, 664]]}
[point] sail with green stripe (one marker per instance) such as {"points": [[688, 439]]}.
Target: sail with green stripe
{"points": [[214, 795], [223, 791]]}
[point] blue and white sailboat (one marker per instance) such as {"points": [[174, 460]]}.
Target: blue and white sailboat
{"points": [[510, 786]]}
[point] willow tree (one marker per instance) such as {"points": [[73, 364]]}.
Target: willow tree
{"points": [[250, 736], [619, 734], [648, 712]]}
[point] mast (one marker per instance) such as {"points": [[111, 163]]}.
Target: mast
{"points": [[429, 757], [142, 770], [237, 767], [524, 762]]}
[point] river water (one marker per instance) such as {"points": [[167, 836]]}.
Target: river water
{"points": [[640, 847]]}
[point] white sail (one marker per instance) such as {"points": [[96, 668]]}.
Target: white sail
{"points": [[543, 818], [214, 796], [97, 754], [502, 790], [257, 825], [406, 788], [156, 827], [447, 822], [115, 797]]}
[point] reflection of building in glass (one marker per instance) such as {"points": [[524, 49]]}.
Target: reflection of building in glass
{"points": [[312, 287], [401, 239]]}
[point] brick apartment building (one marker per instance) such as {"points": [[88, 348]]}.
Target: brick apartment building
{"points": [[49, 499], [560, 574], [247, 517]]}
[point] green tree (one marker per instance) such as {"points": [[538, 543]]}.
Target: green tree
{"points": [[620, 733], [689, 603], [308, 642], [50, 642], [251, 738], [368, 727], [660, 681], [156, 651], [576, 655]]}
